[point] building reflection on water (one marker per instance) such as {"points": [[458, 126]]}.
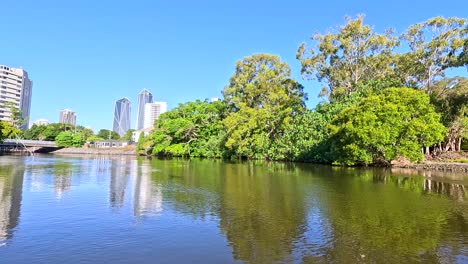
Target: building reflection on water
{"points": [[11, 185], [119, 176], [246, 194], [147, 196]]}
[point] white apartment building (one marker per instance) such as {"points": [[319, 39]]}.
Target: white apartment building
{"points": [[67, 116], [41, 122], [153, 111], [15, 88]]}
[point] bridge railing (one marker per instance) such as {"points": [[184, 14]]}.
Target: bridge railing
{"points": [[26, 142]]}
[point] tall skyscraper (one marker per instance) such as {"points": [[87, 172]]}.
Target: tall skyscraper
{"points": [[144, 97], [67, 116], [122, 116], [153, 111], [15, 87]]}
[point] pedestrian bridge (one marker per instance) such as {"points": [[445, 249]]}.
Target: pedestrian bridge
{"points": [[31, 146]]}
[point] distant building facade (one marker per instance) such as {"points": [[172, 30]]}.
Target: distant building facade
{"points": [[109, 144], [67, 116], [122, 116], [41, 122], [136, 134], [144, 97], [16, 88], [153, 111]]}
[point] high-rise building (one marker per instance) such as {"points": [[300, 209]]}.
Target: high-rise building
{"points": [[67, 116], [153, 111], [122, 116], [15, 88], [144, 97]]}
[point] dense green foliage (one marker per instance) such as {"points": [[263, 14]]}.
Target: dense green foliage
{"points": [[51, 132], [46, 132], [385, 126], [192, 129], [104, 133], [363, 119], [450, 97], [8, 130], [69, 139], [263, 100]]}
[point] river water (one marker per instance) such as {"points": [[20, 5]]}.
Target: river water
{"points": [[60, 209]]}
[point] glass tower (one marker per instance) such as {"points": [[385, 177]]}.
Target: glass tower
{"points": [[122, 116], [144, 97]]}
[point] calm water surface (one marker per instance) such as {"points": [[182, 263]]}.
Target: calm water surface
{"points": [[134, 210]]}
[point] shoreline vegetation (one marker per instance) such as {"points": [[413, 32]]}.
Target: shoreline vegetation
{"points": [[386, 98], [424, 166], [386, 102]]}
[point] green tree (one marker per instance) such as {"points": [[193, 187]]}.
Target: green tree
{"points": [[35, 132], [382, 127], [77, 140], [128, 135], [344, 59], [7, 130], [64, 139], [191, 129], [144, 145], [84, 132], [16, 115], [52, 130], [450, 98], [104, 133], [262, 99], [69, 139], [435, 45]]}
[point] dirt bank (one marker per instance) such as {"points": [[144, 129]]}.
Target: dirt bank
{"points": [[432, 165]]}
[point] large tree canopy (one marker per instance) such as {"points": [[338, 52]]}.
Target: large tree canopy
{"points": [[435, 45], [344, 59], [262, 98]]}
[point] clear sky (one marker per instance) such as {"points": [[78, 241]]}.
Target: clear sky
{"points": [[85, 54]]}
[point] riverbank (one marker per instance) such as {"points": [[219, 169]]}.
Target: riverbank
{"points": [[430, 165], [435, 166], [97, 151]]}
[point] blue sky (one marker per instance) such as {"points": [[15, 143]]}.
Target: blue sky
{"points": [[85, 54]]}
